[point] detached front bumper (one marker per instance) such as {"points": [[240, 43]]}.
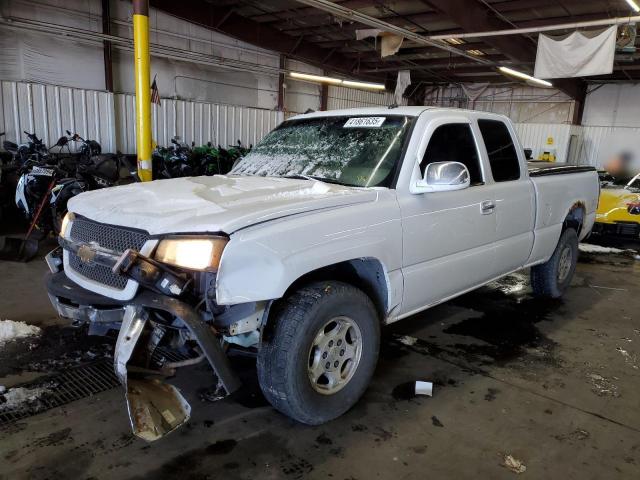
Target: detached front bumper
{"points": [[72, 301], [144, 395]]}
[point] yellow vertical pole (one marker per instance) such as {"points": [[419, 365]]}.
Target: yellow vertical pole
{"points": [[143, 87]]}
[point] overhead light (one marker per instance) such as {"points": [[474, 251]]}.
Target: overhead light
{"points": [[454, 41], [315, 78], [373, 86], [476, 52], [634, 6], [524, 76], [336, 81]]}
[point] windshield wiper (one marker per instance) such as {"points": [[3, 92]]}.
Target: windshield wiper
{"points": [[302, 176]]}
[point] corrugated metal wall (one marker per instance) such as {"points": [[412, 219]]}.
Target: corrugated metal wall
{"points": [[595, 145], [49, 110], [341, 97], [536, 136], [195, 122]]}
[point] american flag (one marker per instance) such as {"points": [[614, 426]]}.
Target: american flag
{"points": [[155, 94]]}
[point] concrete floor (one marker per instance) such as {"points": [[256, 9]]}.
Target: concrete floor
{"points": [[554, 384]]}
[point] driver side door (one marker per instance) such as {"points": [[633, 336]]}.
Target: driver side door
{"points": [[448, 237]]}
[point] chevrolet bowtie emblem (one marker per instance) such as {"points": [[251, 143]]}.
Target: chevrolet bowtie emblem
{"points": [[86, 254]]}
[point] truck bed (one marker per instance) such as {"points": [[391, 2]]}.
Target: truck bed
{"points": [[539, 169]]}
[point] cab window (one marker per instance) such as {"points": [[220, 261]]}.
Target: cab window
{"points": [[454, 142]]}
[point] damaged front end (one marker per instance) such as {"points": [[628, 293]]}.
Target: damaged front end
{"points": [[171, 308]]}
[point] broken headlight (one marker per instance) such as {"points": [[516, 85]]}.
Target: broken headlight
{"points": [[193, 253]]}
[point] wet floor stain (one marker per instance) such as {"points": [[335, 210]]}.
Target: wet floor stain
{"points": [[490, 396], [221, 447], [404, 391], [508, 323], [55, 350], [436, 422], [323, 439]]}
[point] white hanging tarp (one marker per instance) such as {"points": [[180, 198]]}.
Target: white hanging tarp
{"points": [[404, 80], [576, 55]]}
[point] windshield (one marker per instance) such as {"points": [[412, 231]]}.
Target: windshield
{"points": [[357, 151]]}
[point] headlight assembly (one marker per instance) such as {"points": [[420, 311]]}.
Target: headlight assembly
{"points": [[65, 223], [193, 253]]}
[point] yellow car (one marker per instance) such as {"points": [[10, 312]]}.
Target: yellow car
{"points": [[619, 209]]}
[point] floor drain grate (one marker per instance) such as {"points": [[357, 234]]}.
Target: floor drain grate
{"points": [[57, 390]]}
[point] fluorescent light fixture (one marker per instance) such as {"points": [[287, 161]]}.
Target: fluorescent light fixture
{"points": [[373, 86], [524, 76], [336, 81], [454, 41], [315, 78], [634, 6], [477, 53]]}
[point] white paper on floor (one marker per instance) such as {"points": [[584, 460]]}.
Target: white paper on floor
{"points": [[424, 388]]}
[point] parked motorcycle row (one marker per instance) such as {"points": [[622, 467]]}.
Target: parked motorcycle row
{"points": [[183, 160], [39, 180]]}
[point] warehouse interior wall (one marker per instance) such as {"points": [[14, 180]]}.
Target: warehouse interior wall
{"points": [[51, 83], [48, 58], [612, 105], [522, 104]]}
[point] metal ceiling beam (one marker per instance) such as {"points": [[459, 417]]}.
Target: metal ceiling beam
{"points": [[356, 16], [234, 25], [304, 12], [471, 15], [548, 28]]}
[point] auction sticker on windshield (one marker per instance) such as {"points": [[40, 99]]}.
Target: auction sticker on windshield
{"points": [[367, 122]]}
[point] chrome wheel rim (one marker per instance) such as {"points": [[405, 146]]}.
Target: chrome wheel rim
{"points": [[334, 355], [564, 265]]}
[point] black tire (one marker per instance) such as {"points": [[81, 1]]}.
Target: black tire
{"points": [[545, 278], [284, 355]]}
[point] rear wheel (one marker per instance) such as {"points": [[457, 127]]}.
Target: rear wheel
{"points": [[552, 278], [319, 351]]}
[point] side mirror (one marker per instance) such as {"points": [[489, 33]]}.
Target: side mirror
{"points": [[443, 177]]}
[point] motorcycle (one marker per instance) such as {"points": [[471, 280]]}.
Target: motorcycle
{"points": [[34, 147], [174, 161], [63, 177]]}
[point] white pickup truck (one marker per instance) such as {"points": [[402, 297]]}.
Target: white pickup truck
{"points": [[336, 223]]}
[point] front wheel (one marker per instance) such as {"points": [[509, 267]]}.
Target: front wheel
{"points": [[552, 278], [319, 351]]}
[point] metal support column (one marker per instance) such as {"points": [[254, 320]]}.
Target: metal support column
{"points": [[108, 62], [143, 87], [281, 83]]}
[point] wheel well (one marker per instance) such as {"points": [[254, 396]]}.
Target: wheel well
{"points": [[367, 274], [575, 218]]}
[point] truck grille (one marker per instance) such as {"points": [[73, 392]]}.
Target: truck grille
{"points": [[107, 236]]}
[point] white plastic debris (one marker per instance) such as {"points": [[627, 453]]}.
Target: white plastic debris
{"points": [[10, 330], [407, 340], [628, 358], [513, 464], [424, 388]]}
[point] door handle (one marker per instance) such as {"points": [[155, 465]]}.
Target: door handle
{"points": [[487, 207]]}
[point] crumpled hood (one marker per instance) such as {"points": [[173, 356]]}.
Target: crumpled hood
{"points": [[211, 204]]}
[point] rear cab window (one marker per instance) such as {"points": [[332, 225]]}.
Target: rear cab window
{"points": [[501, 150]]}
